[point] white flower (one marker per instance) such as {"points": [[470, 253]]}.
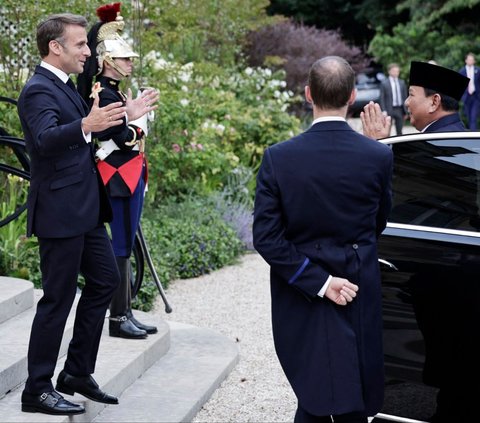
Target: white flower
{"points": [[220, 128], [184, 102], [184, 88], [277, 94], [283, 84], [160, 64], [268, 72], [188, 66], [184, 76], [215, 82], [248, 71]]}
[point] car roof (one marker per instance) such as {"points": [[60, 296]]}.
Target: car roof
{"points": [[421, 136]]}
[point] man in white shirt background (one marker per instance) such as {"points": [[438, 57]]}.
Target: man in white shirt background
{"points": [[471, 97]]}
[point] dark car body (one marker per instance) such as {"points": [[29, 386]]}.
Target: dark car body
{"points": [[368, 89], [430, 260]]}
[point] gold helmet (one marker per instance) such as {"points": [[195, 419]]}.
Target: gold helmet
{"points": [[110, 45]]}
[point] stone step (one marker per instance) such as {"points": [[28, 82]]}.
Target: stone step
{"points": [[16, 296], [180, 383], [14, 337], [120, 362]]}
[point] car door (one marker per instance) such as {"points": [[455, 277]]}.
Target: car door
{"points": [[430, 260]]}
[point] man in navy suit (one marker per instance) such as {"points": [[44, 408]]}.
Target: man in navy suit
{"points": [[67, 206], [322, 199], [471, 96]]}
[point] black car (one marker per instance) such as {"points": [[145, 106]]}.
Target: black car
{"points": [[368, 89], [430, 260]]}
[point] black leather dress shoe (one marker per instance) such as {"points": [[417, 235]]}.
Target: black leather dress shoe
{"points": [[49, 403], [147, 328], [123, 327], [85, 386]]}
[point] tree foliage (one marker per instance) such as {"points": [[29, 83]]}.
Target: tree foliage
{"points": [[356, 19], [190, 30], [442, 30], [294, 47]]}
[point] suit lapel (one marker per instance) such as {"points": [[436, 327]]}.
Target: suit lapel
{"points": [[74, 97]]}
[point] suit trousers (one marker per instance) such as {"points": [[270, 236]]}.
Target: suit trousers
{"points": [[397, 115], [471, 107], [303, 416], [61, 261]]}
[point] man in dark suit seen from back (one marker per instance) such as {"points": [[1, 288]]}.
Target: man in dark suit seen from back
{"points": [[322, 199], [393, 92], [67, 206]]}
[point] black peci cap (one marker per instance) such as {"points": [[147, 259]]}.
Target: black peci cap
{"points": [[438, 78]]}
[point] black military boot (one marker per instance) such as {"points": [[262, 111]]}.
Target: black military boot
{"points": [[147, 328], [119, 324]]}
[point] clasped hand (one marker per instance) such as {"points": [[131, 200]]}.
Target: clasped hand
{"points": [[101, 118], [375, 124], [341, 291], [142, 104]]}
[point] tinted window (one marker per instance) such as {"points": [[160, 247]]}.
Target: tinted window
{"points": [[437, 183]]}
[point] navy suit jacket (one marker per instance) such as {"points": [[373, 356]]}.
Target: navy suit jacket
{"points": [[449, 123], [65, 196], [476, 81], [322, 199]]}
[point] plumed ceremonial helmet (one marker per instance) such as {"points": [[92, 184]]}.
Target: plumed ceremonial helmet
{"points": [[106, 44], [110, 44]]}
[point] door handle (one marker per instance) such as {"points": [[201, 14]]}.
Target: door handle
{"points": [[388, 265]]}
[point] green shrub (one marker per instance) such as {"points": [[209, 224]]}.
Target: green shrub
{"points": [[210, 121], [185, 240]]}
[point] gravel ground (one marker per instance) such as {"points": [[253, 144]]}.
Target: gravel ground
{"points": [[235, 301]]}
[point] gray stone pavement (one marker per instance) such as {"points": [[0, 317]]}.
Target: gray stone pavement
{"points": [[235, 302]]}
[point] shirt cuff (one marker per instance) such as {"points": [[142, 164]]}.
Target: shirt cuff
{"points": [[88, 137], [325, 286]]}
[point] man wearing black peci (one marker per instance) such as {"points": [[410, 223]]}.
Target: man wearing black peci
{"points": [[448, 318]]}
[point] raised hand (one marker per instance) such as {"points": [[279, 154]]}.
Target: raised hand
{"points": [[375, 124], [101, 118], [143, 104], [341, 291]]}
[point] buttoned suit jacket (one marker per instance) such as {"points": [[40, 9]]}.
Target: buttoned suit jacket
{"points": [[322, 199], [386, 95], [65, 197]]}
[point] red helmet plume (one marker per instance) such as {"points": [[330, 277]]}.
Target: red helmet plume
{"points": [[108, 12]]}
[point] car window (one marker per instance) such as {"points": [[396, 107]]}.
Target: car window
{"points": [[437, 183]]}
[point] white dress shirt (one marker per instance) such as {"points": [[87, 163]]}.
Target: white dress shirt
{"points": [[471, 75], [397, 96]]}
